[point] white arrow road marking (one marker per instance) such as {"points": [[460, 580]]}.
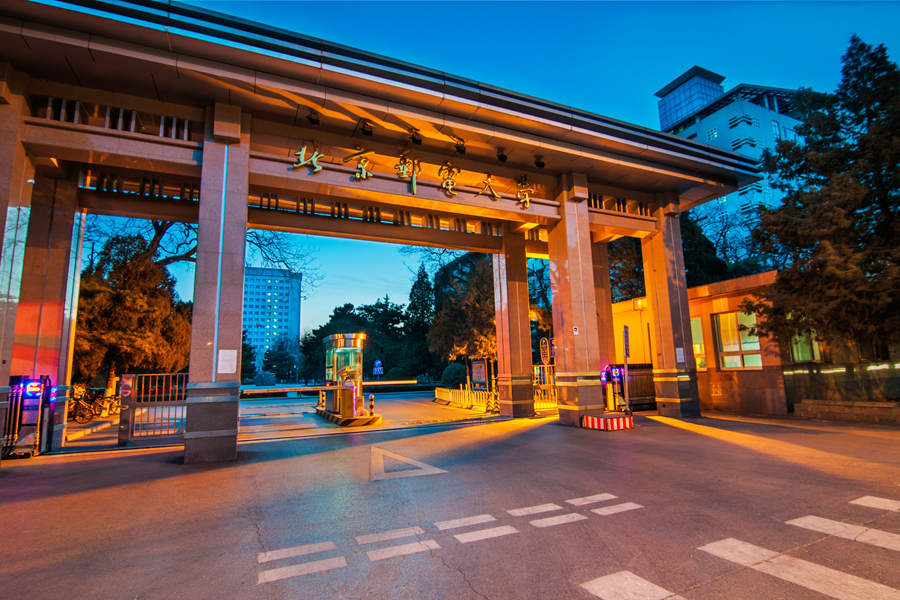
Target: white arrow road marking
{"points": [[809, 575], [627, 586], [377, 470], [873, 537], [302, 569]]}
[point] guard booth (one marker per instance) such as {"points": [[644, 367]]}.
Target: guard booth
{"points": [[342, 401]]}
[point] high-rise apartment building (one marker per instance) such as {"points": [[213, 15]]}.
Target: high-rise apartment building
{"points": [[746, 119], [271, 307]]}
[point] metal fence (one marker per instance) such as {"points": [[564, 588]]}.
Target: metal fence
{"points": [[545, 396], [153, 406], [481, 400]]}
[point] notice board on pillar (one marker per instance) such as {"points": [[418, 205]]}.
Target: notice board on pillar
{"points": [[479, 371]]}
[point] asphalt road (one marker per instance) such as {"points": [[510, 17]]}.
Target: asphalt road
{"points": [[700, 509]]}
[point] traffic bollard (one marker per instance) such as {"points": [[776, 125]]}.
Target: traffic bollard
{"points": [[371, 404]]}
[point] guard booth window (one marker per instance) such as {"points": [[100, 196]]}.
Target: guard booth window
{"points": [[737, 348]]}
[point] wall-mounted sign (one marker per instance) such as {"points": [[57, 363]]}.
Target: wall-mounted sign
{"points": [[545, 350]]}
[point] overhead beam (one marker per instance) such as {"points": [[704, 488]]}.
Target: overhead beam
{"points": [[374, 232]]}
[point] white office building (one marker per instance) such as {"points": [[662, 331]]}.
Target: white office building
{"points": [[271, 307], [746, 119]]}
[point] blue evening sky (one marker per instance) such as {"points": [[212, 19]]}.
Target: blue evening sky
{"points": [[604, 57]]}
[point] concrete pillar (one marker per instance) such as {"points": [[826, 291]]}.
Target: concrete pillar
{"points": [[15, 199], [606, 333], [215, 363], [514, 371], [674, 368], [579, 358], [44, 321]]}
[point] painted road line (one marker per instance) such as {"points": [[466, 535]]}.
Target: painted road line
{"points": [[873, 537], [616, 508], [484, 534], [302, 569], [809, 575], [558, 520], [533, 510], [873, 502], [591, 499], [627, 586], [403, 550], [295, 551], [453, 524], [388, 535]]}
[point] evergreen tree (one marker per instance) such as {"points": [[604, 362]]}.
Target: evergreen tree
{"points": [[279, 362], [129, 316], [465, 324], [419, 318], [248, 358], [840, 221]]}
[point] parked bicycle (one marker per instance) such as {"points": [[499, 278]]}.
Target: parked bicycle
{"points": [[92, 403]]}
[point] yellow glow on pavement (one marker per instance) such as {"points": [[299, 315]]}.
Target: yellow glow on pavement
{"points": [[826, 462]]}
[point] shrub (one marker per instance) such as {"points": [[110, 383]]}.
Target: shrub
{"points": [[396, 373], [263, 378], [453, 376]]}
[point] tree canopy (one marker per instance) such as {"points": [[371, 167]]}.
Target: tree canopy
{"points": [[465, 322], [129, 316], [839, 222]]}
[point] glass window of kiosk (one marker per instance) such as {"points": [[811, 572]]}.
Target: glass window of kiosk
{"points": [[697, 338], [349, 357], [737, 348]]}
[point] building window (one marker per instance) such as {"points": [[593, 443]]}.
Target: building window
{"points": [[737, 348], [805, 348], [697, 338], [776, 129]]}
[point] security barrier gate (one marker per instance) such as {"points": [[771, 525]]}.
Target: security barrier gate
{"points": [[153, 406]]}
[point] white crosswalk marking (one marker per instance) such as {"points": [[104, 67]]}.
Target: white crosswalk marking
{"points": [[388, 535], [558, 520], [873, 502], [453, 524], [873, 537], [533, 510], [627, 586], [591, 499], [295, 551], [484, 534], [302, 569], [809, 575], [616, 508], [403, 550]]}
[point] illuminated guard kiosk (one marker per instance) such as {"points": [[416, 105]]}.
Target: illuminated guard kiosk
{"points": [[342, 402]]}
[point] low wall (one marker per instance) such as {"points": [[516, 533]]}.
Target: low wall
{"points": [[842, 381], [857, 412]]}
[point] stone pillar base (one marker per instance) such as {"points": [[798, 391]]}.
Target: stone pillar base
{"points": [[515, 395], [212, 422], [580, 394], [676, 392], [678, 407]]}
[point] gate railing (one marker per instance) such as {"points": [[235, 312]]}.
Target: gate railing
{"points": [[545, 397], [481, 400], [153, 406]]}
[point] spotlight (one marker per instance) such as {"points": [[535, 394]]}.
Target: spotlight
{"points": [[539, 162], [313, 119], [461, 148], [501, 156], [367, 129], [416, 137]]}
